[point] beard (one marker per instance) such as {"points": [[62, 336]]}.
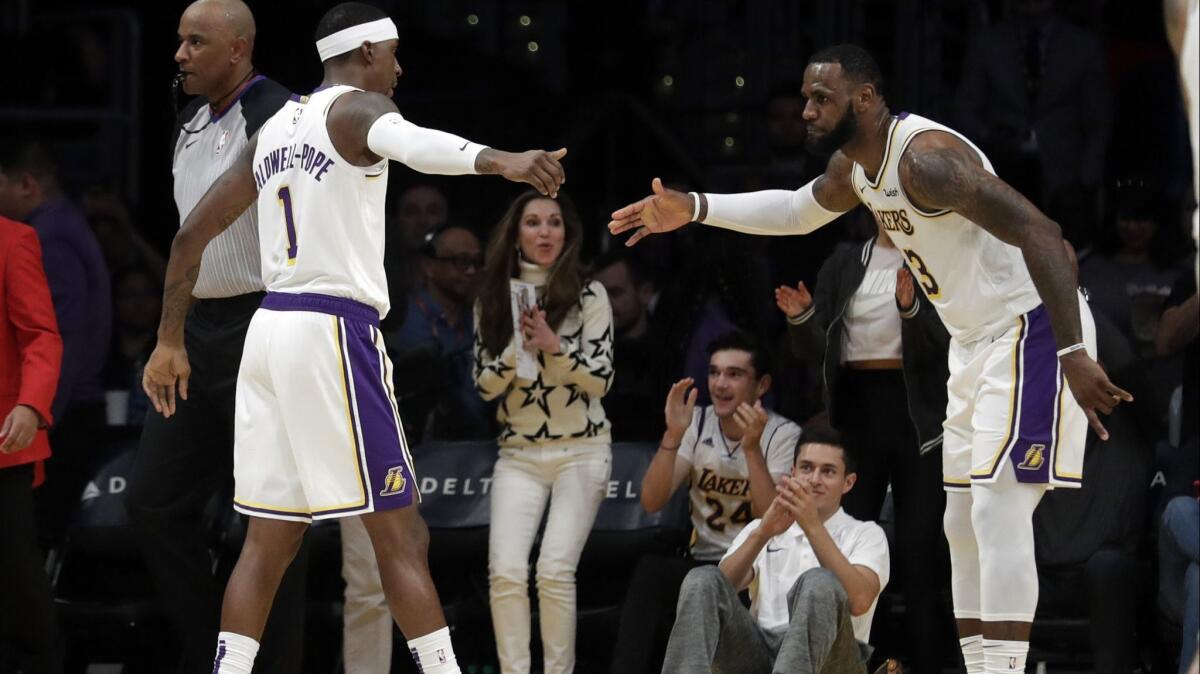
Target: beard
{"points": [[831, 142]]}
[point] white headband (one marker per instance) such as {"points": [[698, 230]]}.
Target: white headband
{"points": [[351, 38]]}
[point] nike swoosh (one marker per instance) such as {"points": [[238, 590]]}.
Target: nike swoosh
{"points": [[191, 143], [464, 146], [862, 189], [770, 549]]}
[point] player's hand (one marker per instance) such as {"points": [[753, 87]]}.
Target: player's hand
{"points": [[663, 211], [777, 519], [681, 405], [539, 168], [906, 293], [793, 301], [19, 429], [1091, 388], [801, 504], [752, 419], [537, 332], [168, 365]]}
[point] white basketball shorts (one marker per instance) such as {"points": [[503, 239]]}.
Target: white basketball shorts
{"points": [[1008, 399], [317, 434]]}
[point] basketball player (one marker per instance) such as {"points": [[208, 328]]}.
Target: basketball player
{"points": [[1183, 32], [316, 430], [995, 269]]}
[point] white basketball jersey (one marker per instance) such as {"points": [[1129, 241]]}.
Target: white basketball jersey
{"points": [[978, 283], [320, 218], [720, 476]]}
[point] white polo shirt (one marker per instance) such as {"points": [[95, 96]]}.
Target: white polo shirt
{"points": [[785, 557]]}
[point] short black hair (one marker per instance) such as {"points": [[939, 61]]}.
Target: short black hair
{"points": [[633, 263], [27, 155], [820, 434], [344, 16], [737, 340], [856, 62]]}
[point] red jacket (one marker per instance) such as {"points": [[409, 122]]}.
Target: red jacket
{"points": [[30, 348]]}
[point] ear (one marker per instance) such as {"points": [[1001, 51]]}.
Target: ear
{"points": [[645, 292], [850, 480], [239, 49], [367, 51], [28, 185], [764, 385]]}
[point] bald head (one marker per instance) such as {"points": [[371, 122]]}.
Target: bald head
{"points": [[216, 41]]}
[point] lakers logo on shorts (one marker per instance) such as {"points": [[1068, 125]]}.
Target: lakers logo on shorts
{"points": [[394, 482], [1035, 456]]}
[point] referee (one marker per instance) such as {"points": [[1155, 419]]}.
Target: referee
{"points": [[183, 461]]}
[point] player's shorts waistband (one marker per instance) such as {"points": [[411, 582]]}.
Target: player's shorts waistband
{"points": [[324, 304]]}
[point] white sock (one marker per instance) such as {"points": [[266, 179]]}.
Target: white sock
{"points": [[434, 654], [235, 654], [1004, 657], [972, 650]]}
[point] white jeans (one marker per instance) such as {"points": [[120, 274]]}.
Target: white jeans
{"points": [[574, 479], [366, 620]]}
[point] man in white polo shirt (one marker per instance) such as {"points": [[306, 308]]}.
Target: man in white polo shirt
{"points": [[815, 575]]}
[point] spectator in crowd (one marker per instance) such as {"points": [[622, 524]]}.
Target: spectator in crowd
{"points": [[419, 210], [883, 351], [1179, 571], [1130, 275], [79, 285], [122, 244], [1087, 544], [30, 355], [431, 348], [636, 347], [137, 304], [554, 441], [732, 453], [1177, 332], [1034, 95], [183, 461], [815, 574]]}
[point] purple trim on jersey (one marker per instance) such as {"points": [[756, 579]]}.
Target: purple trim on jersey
{"points": [[383, 443], [295, 98], [323, 87], [323, 304], [903, 115], [214, 116], [269, 511], [220, 656]]}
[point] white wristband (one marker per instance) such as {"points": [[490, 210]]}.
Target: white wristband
{"points": [[1071, 349], [696, 205]]}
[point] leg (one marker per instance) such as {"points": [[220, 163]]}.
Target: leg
{"points": [[1179, 577], [268, 551], [920, 556], [33, 626], [1002, 515], [713, 631], [180, 463], [649, 606], [964, 577], [819, 637], [1114, 595], [366, 619], [519, 494], [579, 487]]}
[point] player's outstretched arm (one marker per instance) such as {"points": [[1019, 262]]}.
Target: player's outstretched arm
{"points": [[938, 171], [767, 212], [366, 127], [225, 201]]}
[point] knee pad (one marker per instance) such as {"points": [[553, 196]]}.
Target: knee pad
{"points": [[1002, 516]]}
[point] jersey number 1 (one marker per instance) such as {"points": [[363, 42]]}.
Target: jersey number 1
{"points": [[285, 200]]}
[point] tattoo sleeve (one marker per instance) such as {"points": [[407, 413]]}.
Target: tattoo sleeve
{"points": [[224, 203], [949, 177]]}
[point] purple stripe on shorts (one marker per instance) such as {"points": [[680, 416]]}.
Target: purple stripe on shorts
{"points": [[323, 304], [1033, 452], [389, 474]]}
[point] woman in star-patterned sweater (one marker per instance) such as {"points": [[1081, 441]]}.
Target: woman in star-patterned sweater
{"points": [[554, 442]]}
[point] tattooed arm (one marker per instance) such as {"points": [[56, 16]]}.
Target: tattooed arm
{"points": [[939, 171], [224, 203]]}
